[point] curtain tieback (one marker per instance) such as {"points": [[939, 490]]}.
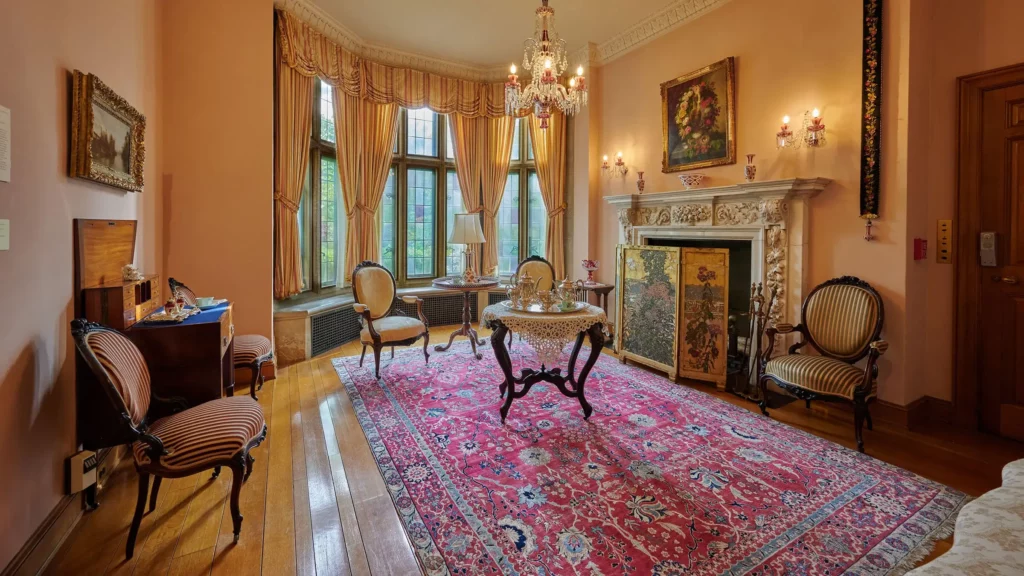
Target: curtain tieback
{"points": [[287, 202], [362, 207], [557, 211], [484, 211]]}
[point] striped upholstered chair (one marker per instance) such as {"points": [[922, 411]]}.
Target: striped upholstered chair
{"points": [[187, 441], [841, 319], [251, 351]]}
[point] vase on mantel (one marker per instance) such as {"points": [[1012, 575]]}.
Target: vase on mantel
{"points": [[640, 182], [749, 171]]}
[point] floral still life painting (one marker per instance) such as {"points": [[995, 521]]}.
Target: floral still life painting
{"points": [[662, 480], [705, 301], [648, 305], [699, 118]]}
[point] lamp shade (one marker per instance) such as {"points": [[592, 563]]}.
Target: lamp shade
{"points": [[466, 230]]}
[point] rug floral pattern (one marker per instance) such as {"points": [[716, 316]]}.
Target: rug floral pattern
{"points": [[662, 480]]}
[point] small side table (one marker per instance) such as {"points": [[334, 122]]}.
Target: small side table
{"points": [[467, 289], [602, 291]]}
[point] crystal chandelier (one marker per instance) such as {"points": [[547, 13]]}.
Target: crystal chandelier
{"points": [[544, 57]]}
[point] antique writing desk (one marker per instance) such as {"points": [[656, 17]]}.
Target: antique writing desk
{"points": [[192, 360]]}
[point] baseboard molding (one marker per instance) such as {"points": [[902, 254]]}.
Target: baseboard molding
{"points": [[923, 411], [47, 539], [40, 547]]}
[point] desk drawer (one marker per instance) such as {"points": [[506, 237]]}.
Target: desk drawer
{"points": [[227, 330]]}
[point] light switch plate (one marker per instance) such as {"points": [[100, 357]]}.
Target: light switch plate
{"points": [[944, 241]]}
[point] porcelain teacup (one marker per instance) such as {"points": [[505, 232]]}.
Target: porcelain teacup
{"points": [[204, 301]]}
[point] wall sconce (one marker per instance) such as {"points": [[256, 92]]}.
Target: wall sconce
{"points": [[784, 137], [618, 169], [814, 130]]}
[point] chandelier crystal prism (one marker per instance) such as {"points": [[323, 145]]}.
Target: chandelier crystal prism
{"points": [[545, 59]]}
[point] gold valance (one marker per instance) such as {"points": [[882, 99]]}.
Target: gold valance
{"points": [[310, 53]]}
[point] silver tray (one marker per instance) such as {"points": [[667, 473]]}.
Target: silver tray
{"points": [[554, 309]]}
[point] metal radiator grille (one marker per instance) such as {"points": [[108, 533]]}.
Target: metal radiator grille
{"points": [[334, 328], [495, 297]]}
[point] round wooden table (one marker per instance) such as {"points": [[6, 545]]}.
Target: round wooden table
{"points": [[455, 283], [547, 333]]}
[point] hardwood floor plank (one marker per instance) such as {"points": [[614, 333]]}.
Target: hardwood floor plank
{"points": [[305, 565], [155, 554], [328, 535], [202, 522], [279, 533], [245, 557], [330, 384], [195, 564], [388, 550]]}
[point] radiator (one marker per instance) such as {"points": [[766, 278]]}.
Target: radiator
{"points": [[336, 327]]}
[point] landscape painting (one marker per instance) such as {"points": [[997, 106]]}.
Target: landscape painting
{"points": [[648, 305], [699, 118], [107, 135]]}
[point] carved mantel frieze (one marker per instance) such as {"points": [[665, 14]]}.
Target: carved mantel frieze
{"points": [[773, 212]]}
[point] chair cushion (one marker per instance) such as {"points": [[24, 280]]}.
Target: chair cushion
{"points": [[841, 319], [250, 347], [818, 374], [374, 287], [126, 368], [394, 329], [213, 431]]}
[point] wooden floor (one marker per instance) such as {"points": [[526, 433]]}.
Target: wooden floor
{"points": [[316, 503]]}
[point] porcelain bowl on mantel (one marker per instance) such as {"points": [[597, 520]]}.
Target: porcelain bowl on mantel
{"points": [[691, 180]]}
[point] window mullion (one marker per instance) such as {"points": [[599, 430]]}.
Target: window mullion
{"points": [[314, 215]]}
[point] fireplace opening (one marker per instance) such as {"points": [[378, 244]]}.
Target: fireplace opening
{"points": [[739, 273]]}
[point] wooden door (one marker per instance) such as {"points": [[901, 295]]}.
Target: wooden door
{"points": [[992, 172]]}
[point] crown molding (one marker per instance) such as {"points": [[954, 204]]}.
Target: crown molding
{"points": [[588, 55]]}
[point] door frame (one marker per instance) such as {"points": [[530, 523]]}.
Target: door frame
{"points": [[971, 91]]}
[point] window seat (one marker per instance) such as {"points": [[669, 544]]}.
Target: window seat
{"points": [[293, 322]]}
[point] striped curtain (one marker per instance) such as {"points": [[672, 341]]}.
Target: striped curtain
{"points": [[309, 52], [549, 153]]}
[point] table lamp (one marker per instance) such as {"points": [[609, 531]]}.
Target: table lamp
{"points": [[466, 230]]}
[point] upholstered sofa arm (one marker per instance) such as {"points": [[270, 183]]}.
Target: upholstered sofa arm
{"points": [[880, 346], [419, 307]]}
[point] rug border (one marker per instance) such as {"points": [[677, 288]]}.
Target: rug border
{"points": [[900, 567]]}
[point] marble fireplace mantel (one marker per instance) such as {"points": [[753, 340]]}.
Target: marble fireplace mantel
{"points": [[773, 215]]}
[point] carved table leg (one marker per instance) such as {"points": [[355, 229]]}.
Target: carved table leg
{"points": [[596, 334], [505, 362], [465, 330]]}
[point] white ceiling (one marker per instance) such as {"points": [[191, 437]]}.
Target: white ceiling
{"points": [[482, 32]]}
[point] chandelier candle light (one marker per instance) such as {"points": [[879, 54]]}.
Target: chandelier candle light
{"points": [[619, 169], [545, 59], [814, 130], [784, 137]]}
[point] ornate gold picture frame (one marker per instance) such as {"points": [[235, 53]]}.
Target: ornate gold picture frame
{"points": [[107, 135], [698, 115]]}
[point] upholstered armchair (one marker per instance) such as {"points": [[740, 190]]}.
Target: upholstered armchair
{"points": [[186, 440], [841, 319], [542, 272], [251, 351], [374, 289]]}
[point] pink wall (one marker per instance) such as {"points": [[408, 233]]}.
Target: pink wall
{"points": [[218, 167], [791, 56], [952, 41], [118, 40]]}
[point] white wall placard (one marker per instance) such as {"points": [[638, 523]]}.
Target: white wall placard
{"points": [[5, 234], [5, 144]]}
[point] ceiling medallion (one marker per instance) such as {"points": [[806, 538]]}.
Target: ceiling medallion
{"points": [[544, 57]]}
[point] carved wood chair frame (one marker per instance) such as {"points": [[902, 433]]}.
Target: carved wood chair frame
{"points": [[366, 319], [240, 463], [873, 349], [554, 280], [255, 367]]}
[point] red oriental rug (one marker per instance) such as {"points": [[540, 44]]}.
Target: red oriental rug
{"points": [[662, 479]]}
